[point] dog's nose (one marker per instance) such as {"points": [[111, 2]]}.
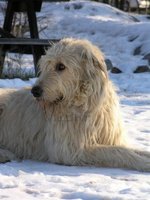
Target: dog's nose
{"points": [[37, 91]]}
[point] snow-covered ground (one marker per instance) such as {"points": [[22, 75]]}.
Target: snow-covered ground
{"points": [[118, 34]]}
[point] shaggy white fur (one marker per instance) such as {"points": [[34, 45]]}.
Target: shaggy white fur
{"points": [[73, 118]]}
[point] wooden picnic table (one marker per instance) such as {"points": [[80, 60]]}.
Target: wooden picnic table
{"points": [[33, 45]]}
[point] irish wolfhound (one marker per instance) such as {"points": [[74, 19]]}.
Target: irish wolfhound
{"points": [[71, 115]]}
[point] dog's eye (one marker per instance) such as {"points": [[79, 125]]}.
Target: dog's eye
{"points": [[60, 67]]}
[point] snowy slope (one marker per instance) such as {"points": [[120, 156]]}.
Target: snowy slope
{"points": [[118, 34]]}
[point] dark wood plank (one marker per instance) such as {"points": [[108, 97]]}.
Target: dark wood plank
{"points": [[8, 16], [32, 19], [54, 0], [27, 41], [7, 27], [25, 46], [21, 6]]}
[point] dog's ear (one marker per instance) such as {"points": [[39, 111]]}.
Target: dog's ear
{"points": [[93, 57], [94, 75]]}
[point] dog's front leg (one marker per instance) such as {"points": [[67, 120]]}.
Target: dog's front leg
{"points": [[6, 156], [110, 156]]}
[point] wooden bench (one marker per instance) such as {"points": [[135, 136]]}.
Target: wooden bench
{"points": [[32, 45], [26, 41], [25, 46]]}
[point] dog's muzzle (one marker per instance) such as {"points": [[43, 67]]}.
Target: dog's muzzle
{"points": [[37, 91]]}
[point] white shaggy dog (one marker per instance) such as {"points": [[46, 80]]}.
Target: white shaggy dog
{"points": [[71, 115]]}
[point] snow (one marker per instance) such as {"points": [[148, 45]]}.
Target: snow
{"points": [[112, 30], [33, 180], [118, 34]]}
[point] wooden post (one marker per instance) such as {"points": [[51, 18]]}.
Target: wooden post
{"points": [[33, 32], [29, 6], [7, 27]]}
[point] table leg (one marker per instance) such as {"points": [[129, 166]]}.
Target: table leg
{"points": [[9, 16], [2, 58], [7, 27], [33, 32]]}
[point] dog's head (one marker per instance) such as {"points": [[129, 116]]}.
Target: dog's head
{"points": [[72, 71]]}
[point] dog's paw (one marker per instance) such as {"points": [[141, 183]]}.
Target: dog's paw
{"points": [[6, 156]]}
